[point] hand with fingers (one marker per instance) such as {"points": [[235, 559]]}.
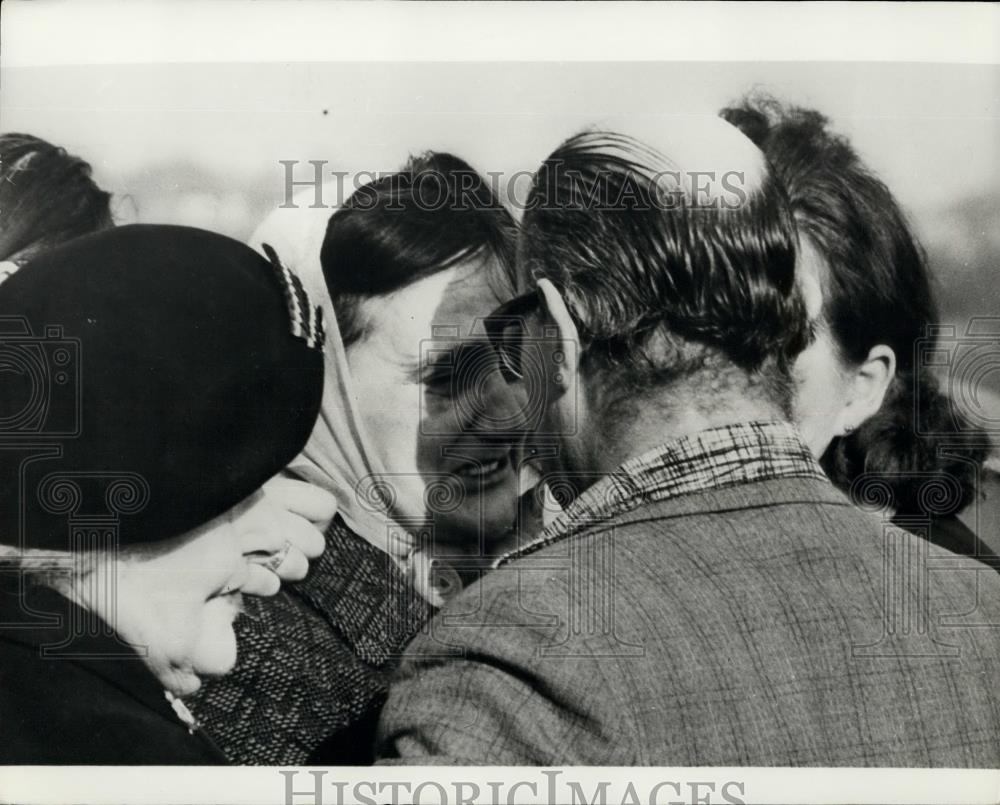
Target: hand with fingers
{"points": [[294, 515]]}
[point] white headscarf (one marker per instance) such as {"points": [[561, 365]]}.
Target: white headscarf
{"points": [[338, 456]]}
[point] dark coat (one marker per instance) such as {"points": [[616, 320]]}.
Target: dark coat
{"points": [[95, 703], [954, 535], [982, 517]]}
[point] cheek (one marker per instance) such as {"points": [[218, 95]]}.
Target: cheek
{"points": [[191, 608], [213, 647], [392, 414], [806, 374], [393, 423], [184, 632], [820, 394], [818, 379]]}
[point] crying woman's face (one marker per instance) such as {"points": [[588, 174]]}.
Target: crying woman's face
{"points": [[432, 398]]}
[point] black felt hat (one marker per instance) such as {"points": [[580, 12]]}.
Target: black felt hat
{"points": [[151, 377]]}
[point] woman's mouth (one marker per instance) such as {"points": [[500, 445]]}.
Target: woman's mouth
{"points": [[485, 472]]}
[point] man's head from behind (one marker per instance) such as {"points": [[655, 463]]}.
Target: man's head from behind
{"points": [[670, 260]]}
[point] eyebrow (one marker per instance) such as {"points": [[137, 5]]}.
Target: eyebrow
{"points": [[417, 368], [437, 358]]}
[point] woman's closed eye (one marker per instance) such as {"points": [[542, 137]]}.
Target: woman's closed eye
{"points": [[439, 381], [442, 375]]}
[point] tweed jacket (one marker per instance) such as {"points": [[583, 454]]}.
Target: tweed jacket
{"points": [[735, 622], [313, 661]]}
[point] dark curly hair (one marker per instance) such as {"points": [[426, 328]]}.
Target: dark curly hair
{"points": [[877, 290], [47, 197]]}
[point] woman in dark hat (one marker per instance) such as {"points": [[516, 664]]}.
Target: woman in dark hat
{"points": [[152, 379]]}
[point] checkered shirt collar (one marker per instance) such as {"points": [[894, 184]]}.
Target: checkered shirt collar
{"points": [[711, 459]]}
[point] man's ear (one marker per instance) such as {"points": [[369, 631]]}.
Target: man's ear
{"points": [[569, 341], [868, 387]]}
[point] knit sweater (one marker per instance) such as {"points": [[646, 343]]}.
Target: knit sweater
{"points": [[314, 661]]}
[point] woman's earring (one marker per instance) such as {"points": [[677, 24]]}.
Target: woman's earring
{"points": [[848, 430]]}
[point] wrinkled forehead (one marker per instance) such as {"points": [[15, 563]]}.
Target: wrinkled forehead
{"points": [[449, 305], [472, 291], [695, 145]]}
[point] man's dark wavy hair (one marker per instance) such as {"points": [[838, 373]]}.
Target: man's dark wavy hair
{"points": [[666, 290], [403, 227], [877, 290]]}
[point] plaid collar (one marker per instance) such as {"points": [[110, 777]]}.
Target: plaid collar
{"points": [[711, 459]]}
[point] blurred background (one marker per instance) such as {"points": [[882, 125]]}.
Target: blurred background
{"points": [[202, 144]]}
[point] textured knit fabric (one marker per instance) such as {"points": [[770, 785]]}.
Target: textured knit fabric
{"points": [[761, 623], [313, 660]]}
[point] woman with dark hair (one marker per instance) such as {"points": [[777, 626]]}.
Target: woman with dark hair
{"points": [[863, 404], [416, 439], [46, 196]]}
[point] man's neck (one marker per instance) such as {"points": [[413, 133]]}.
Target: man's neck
{"points": [[653, 425]]}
